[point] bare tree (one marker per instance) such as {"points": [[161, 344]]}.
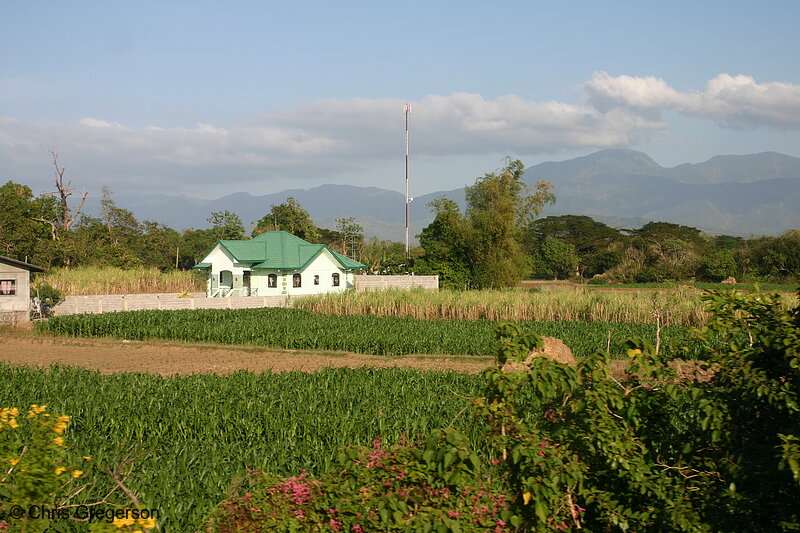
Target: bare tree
{"points": [[64, 191]]}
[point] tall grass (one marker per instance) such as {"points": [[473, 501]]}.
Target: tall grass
{"points": [[111, 280], [675, 307]]}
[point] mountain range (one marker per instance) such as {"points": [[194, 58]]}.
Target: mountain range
{"points": [[744, 195]]}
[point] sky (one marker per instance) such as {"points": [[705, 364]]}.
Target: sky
{"points": [[203, 99]]}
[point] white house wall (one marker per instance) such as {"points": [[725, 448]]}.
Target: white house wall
{"points": [[324, 265], [20, 301], [221, 260]]}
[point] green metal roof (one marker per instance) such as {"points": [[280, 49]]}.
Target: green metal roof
{"points": [[279, 250], [201, 266]]}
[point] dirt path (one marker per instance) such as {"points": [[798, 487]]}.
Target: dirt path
{"points": [[20, 345]]}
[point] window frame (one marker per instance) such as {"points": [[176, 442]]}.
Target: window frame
{"points": [[272, 281], [297, 280], [12, 287], [335, 279]]}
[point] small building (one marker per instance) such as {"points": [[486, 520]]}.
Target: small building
{"points": [[15, 299], [275, 263]]}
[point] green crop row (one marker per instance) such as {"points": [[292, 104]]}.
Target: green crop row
{"points": [[199, 433], [303, 330]]}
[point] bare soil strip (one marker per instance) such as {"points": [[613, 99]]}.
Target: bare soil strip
{"points": [[20, 345]]}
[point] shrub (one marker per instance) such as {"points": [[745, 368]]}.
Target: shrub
{"points": [[584, 450], [438, 485], [49, 295]]}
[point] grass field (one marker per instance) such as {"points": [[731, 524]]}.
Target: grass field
{"points": [[537, 302], [109, 280], [557, 304], [769, 287]]}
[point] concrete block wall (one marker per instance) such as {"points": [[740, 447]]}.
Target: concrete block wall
{"points": [[109, 303], [377, 283]]}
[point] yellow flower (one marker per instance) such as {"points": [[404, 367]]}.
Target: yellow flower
{"points": [[634, 353], [60, 470], [38, 409], [148, 523], [87, 458], [63, 419], [13, 411], [13, 423], [59, 441], [13, 462], [526, 498], [122, 522], [77, 473]]}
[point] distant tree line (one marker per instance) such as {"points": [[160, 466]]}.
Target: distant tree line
{"points": [[42, 231], [495, 242]]}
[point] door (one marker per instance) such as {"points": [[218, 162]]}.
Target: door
{"points": [[225, 282], [246, 283]]}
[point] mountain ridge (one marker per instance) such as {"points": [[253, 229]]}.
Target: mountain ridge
{"points": [[745, 195]]}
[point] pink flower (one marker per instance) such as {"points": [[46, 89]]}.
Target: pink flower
{"points": [[453, 514]]}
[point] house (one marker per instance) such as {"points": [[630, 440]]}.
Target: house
{"points": [[275, 263], [15, 299]]}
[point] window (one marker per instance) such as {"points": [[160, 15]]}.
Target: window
{"points": [[296, 281], [8, 287], [316, 279], [272, 281], [335, 277]]}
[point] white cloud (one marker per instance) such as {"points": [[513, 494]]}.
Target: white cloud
{"points": [[324, 138], [731, 101], [96, 123]]}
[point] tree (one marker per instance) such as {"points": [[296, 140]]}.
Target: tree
{"points": [[20, 229], [556, 258], [352, 236], [289, 217], [499, 205], [194, 243], [121, 224], [158, 245], [483, 247], [718, 266], [64, 191], [226, 225], [446, 244], [384, 257], [660, 231], [776, 257], [597, 245]]}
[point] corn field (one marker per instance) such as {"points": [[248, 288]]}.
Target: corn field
{"points": [[202, 432], [303, 330]]}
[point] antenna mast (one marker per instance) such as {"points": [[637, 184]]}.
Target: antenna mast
{"points": [[407, 110]]}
